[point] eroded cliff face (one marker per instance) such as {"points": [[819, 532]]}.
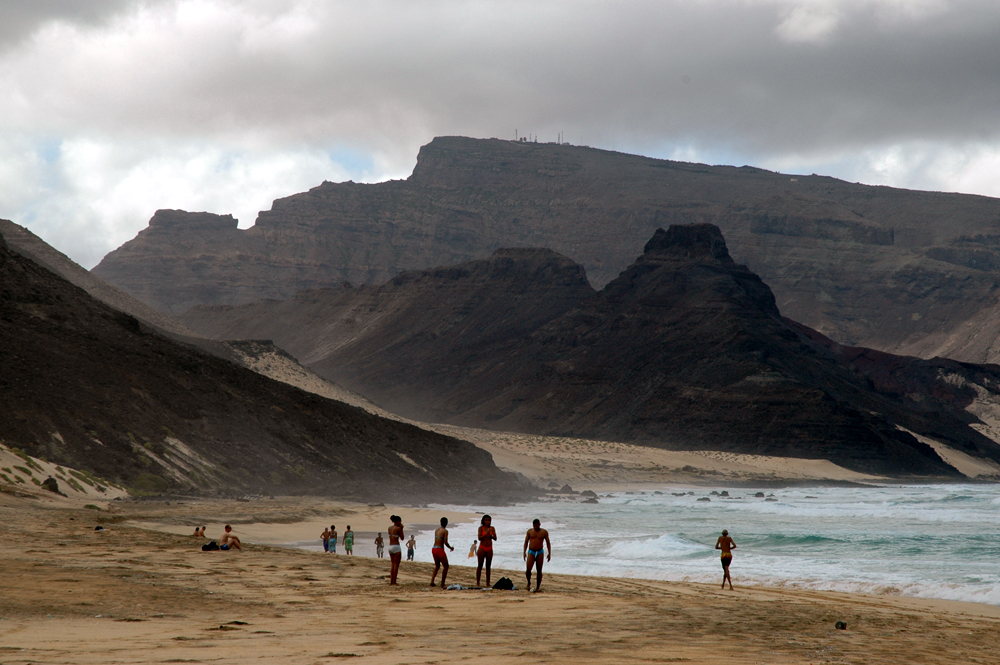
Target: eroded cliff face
{"points": [[685, 349], [892, 269], [88, 386]]}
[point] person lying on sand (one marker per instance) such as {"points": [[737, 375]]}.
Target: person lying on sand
{"points": [[536, 541], [379, 545], [349, 541], [333, 539], [440, 556], [726, 544], [487, 534], [411, 546], [395, 550], [229, 541]]}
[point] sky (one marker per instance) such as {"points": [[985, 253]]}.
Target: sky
{"points": [[112, 109]]}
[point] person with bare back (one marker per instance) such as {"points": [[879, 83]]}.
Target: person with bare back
{"points": [[726, 544], [536, 542], [395, 548], [487, 534], [229, 541], [379, 545], [333, 539], [440, 556]]}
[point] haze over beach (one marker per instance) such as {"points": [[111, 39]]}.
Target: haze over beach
{"points": [[687, 284]]}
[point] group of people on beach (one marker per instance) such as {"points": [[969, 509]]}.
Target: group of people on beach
{"points": [[537, 548]]}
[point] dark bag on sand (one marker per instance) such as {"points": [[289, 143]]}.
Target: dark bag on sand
{"points": [[210, 546], [503, 584]]}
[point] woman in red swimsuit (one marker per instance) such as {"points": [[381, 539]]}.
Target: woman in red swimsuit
{"points": [[487, 534]]}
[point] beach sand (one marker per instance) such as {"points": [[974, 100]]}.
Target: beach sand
{"points": [[70, 594]]}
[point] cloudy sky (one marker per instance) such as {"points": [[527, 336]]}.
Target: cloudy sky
{"points": [[112, 109]]}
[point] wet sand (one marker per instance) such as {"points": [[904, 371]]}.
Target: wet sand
{"points": [[131, 595]]}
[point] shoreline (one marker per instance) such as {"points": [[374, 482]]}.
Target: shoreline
{"points": [[75, 595]]}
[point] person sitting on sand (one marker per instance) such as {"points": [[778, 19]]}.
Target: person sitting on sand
{"points": [[536, 541], [395, 550], [440, 556], [726, 544], [411, 546], [229, 541], [333, 539], [349, 541], [487, 534], [199, 532], [379, 545], [325, 536]]}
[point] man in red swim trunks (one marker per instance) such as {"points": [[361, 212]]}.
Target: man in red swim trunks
{"points": [[440, 556]]}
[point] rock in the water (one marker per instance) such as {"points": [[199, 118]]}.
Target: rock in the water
{"points": [[590, 500], [759, 495], [723, 493], [566, 489], [704, 498], [589, 493]]}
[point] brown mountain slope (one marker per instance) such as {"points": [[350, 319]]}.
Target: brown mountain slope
{"points": [[873, 266], [88, 386], [685, 349]]}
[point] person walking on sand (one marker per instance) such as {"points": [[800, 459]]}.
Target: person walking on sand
{"points": [[440, 556], [349, 541], [487, 534], [726, 544], [536, 541], [411, 546], [379, 545], [395, 549], [326, 540], [333, 539], [229, 541]]}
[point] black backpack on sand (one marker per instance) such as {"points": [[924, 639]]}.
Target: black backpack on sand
{"points": [[503, 584], [210, 546]]}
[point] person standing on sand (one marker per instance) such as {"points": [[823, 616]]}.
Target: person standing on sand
{"points": [[536, 541], [349, 541], [333, 539], [395, 550], [379, 545], [440, 556], [326, 540], [411, 545], [487, 534], [726, 544], [229, 541]]}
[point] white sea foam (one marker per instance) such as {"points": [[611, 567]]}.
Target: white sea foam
{"points": [[922, 541]]}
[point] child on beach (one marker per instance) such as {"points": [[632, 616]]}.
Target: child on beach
{"points": [[411, 546]]}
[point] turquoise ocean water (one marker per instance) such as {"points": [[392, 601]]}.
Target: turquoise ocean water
{"points": [[937, 541]]}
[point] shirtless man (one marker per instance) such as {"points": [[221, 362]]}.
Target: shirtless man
{"points": [[333, 539], [229, 541], [199, 532], [440, 556], [325, 536], [395, 549], [536, 541], [379, 545], [726, 544], [411, 546]]}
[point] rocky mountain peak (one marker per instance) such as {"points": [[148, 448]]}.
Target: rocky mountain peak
{"points": [[201, 220], [688, 241]]}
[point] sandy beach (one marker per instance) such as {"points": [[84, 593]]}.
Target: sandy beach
{"points": [[135, 595]]}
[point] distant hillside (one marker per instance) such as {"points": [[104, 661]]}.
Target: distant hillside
{"points": [[85, 385], [684, 350], [897, 270]]}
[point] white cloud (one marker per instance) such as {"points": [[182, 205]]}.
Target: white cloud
{"points": [[213, 103]]}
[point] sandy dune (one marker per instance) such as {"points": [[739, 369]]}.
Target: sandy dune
{"points": [[127, 595]]}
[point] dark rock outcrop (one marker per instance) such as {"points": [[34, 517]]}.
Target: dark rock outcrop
{"points": [[685, 349], [892, 269], [85, 385]]}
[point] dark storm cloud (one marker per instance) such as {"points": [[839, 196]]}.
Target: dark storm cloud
{"points": [[20, 18]]}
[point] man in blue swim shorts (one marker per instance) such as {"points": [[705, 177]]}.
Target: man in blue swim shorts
{"points": [[536, 541]]}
